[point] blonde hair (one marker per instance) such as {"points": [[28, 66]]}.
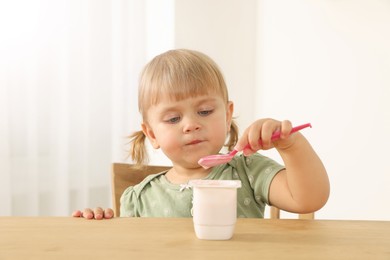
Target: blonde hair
{"points": [[177, 74]]}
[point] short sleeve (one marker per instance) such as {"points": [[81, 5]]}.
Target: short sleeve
{"points": [[128, 203], [257, 172]]}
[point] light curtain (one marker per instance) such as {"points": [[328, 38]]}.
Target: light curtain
{"points": [[68, 76]]}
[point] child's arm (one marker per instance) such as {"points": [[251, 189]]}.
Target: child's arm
{"points": [[304, 186], [97, 213]]}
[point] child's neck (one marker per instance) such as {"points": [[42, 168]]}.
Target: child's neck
{"points": [[178, 175]]}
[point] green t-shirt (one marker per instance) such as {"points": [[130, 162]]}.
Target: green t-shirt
{"points": [[155, 196]]}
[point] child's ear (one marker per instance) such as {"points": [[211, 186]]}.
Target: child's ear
{"points": [[148, 131], [229, 114]]}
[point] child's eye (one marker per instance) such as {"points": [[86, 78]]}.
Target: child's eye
{"points": [[205, 112], [172, 120]]}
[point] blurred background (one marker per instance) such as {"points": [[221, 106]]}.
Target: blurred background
{"points": [[68, 89]]}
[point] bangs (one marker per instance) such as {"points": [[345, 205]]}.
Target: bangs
{"points": [[177, 75]]}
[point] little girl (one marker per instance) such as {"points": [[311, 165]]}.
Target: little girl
{"points": [[187, 114]]}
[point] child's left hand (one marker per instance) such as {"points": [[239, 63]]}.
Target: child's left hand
{"points": [[97, 213], [263, 129]]}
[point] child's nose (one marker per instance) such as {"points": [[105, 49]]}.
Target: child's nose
{"points": [[190, 126]]}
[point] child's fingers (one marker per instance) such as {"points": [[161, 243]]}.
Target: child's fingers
{"points": [[268, 128], [98, 213], [250, 137], [77, 214], [263, 130], [285, 129], [254, 135], [108, 213], [87, 213]]}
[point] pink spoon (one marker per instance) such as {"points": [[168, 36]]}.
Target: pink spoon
{"points": [[217, 159]]}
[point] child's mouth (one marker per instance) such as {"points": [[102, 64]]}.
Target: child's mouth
{"points": [[194, 142]]}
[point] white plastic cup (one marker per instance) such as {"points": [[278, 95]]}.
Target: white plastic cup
{"points": [[214, 208]]}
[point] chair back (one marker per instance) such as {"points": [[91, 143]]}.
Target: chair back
{"points": [[124, 175]]}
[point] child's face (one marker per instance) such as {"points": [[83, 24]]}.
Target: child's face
{"points": [[189, 129]]}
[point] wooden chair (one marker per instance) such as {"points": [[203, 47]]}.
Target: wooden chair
{"points": [[124, 175]]}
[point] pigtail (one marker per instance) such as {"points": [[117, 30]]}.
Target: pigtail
{"points": [[233, 136], [138, 149]]}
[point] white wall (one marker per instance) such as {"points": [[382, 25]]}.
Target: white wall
{"points": [[324, 62], [328, 62], [226, 31]]}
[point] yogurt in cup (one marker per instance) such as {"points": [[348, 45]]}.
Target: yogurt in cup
{"points": [[214, 208]]}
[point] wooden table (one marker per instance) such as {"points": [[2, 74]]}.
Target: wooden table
{"points": [[167, 238]]}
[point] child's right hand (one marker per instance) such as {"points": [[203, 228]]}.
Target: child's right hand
{"points": [[97, 213]]}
